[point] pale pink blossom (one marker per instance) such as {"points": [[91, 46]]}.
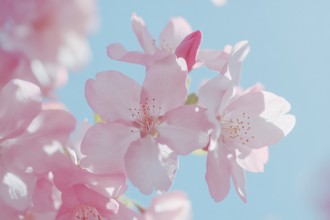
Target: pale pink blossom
{"points": [[177, 37], [29, 136], [169, 206], [244, 124], [81, 202], [144, 127], [88, 195]]}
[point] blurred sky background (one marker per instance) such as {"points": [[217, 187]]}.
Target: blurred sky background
{"points": [[290, 56]]}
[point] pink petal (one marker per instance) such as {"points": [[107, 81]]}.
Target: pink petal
{"points": [[216, 60], [74, 146], [213, 94], [101, 203], [184, 129], [188, 48], [238, 176], [237, 56], [20, 102], [125, 213], [150, 166], [107, 97], [254, 161], [68, 174], [275, 112], [218, 172], [8, 212], [118, 52], [43, 139], [16, 188], [172, 205], [165, 84], [251, 102], [8, 63], [105, 145], [42, 196], [173, 34], [145, 39]]}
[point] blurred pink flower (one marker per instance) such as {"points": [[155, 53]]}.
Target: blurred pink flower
{"points": [[145, 127], [243, 125], [219, 3], [169, 206], [46, 37], [50, 31]]}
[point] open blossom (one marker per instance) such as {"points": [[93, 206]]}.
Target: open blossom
{"points": [[177, 37], [86, 195], [144, 127], [80, 202], [29, 137], [244, 124], [169, 206]]}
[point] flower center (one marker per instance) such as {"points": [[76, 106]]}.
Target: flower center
{"points": [[86, 212], [164, 46], [146, 117], [237, 128]]}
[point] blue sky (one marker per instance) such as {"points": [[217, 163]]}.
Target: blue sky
{"points": [[290, 52]]}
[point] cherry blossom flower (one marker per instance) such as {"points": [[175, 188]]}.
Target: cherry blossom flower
{"points": [[90, 196], [244, 124], [86, 195], [177, 37], [80, 202], [29, 137], [144, 127], [169, 206]]}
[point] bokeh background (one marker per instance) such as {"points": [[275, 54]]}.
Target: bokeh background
{"points": [[290, 56]]}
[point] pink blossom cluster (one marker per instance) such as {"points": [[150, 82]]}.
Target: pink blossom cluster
{"points": [[145, 127], [52, 169]]}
